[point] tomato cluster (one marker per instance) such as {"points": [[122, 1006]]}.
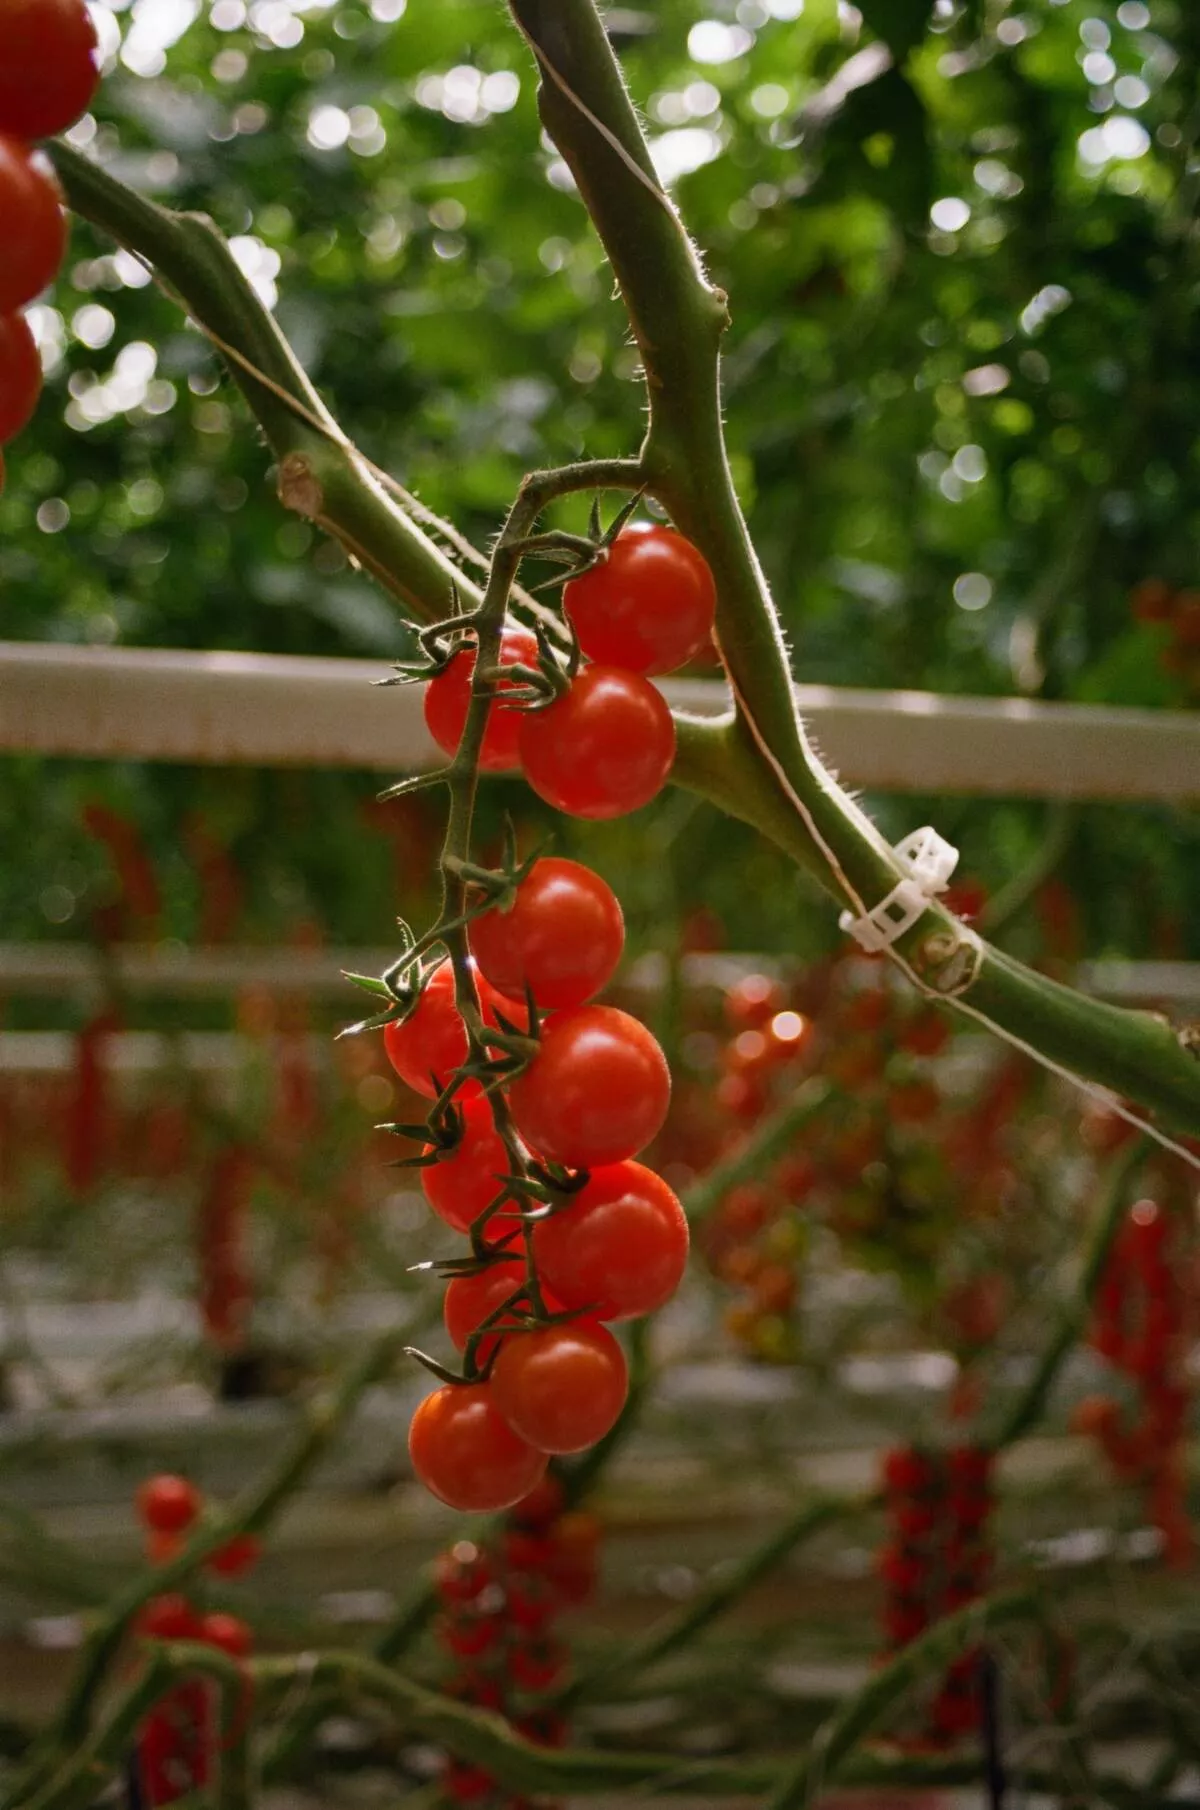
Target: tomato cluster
{"points": [[885, 1160], [606, 744], [1141, 1326], [534, 1160], [500, 1603], [48, 75], [937, 1558], [177, 1741], [1177, 612]]}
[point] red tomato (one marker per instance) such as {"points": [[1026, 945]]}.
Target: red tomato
{"points": [[33, 228], [536, 1668], [619, 1248], [541, 1506], [227, 1632], [562, 1387], [50, 68], [168, 1504], [20, 375], [448, 696], [432, 1041], [562, 936], [603, 749], [464, 1181], [168, 1618], [465, 1453], [470, 1299], [648, 605], [596, 1092], [239, 1555]]}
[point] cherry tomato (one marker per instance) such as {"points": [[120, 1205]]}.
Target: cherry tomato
{"points": [[603, 749], [237, 1556], [648, 605], [20, 374], [465, 1453], [905, 1471], [596, 1092], [448, 696], [542, 1506], [470, 1299], [619, 1248], [562, 936], [168, 1618], [537, 1668], [464, 1181], [466, 1784], [227, 1632], [33, 228], [562, 1387], [50, 67], [168, 1504], [426, 1047]]}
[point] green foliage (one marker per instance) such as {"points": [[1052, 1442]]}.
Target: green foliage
{"points": [[959, 381]]}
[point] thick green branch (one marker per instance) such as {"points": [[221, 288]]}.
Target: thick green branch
{"points": [[321, 476], [677, 317], [761, 766]]}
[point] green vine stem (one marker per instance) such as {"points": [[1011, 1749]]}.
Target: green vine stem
{"points": [[757, 765], [1027, 1409], [678, 319], [707, 1605], [323, 1420], [770, 1138], [928, 1655], [489, 1741], [578, 1480]]}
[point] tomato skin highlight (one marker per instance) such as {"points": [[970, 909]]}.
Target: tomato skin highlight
{"points": [[432, 1040], [33, 227], [20, 375], [50, 67], [620, 1248], [605, 748], [466, 1454], [448, 697], [562, 937], [561, 1387], [648, 605], [596, 1092]]}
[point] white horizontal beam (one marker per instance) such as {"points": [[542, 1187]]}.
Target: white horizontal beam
{"points": [[285, 710], [173, 971]]}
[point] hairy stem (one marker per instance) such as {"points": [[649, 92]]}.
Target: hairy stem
{"points": [[757, 765]]}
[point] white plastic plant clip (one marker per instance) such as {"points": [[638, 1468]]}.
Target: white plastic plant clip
{"points": [[930, 857], [930, 860]]}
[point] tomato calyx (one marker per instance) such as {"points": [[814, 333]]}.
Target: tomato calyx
{"points": [[509, 1317], [578, 552]]}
